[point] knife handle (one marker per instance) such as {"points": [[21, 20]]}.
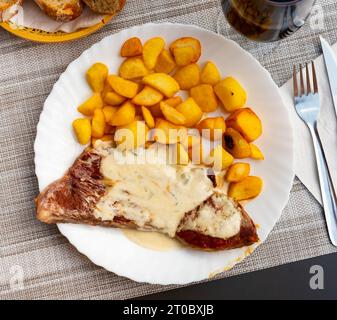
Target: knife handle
{"points": [[327, 190]]}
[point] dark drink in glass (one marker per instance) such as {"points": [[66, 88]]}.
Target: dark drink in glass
{"points": [[267, 20]]}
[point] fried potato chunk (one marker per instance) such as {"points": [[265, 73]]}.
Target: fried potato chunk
{"points": [[186, 50], [82, 128], [210, 74], [147, 97], [191, 111], [98, 123], [165, 62], [163, 83], [188, 76], [231, 94], [96, 76], [124, 115], [256, 153], [133, 68], [109, 111], [151, 51], [216, 127], [147, 115], [171, 114], [113, 99], [204, 96], [237, 172], [87, 108], [235, 144], [125, 88], [132, 48], [247, 188], [246, 122], [168, 133]]}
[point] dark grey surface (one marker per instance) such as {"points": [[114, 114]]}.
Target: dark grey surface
{"points": [[290, 281]]}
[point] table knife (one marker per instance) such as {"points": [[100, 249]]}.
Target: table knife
{"points": [[331, 67]]}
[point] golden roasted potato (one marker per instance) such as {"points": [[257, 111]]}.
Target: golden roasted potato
{"points": [[147, 97], [186, 50], [179, 155], [237, 172], [106, 137], [132, 48], [165, 62], [204, 96], [256, 153], [125, 88], [216, 127], [98, 123], [168, 133], [191, 111], [172, 114], [247, 188], [235, 144], [109, 112], [106, 88], [133, 68], [113, 99], [124, 115], [87, 108], [96, 76], [174, 101], [210, 74], [231, 94], [183, 56], [219, 159], [163, 83], [151, 51], [82, 128], [246, 122], [188, 76], [149, 120], [132, 135]]}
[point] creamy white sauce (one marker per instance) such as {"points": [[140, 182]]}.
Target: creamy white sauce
{"points": [[142, 187], [224, 223], [151, 240], [149, 191]]}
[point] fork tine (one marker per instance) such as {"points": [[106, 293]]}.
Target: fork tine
{"points": [[308, 79], [314, 77], [295, 81], [301, 81]]}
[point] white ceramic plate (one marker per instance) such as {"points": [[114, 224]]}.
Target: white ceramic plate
{"points": [[56, 148]]}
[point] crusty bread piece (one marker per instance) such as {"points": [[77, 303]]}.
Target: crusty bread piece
{"points": [[74, 199], [105, 6], [61, 10], [9, 8], [5, 4]]}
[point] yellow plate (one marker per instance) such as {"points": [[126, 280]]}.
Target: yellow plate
{"points": [[52, 37]]}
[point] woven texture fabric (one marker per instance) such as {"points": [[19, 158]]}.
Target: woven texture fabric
{"points": [[50, 266]]}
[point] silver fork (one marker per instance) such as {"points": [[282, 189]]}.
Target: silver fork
{"points": [[307, 106]]}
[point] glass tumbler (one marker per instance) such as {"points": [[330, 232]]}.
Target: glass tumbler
{"points": [[267, 20]]}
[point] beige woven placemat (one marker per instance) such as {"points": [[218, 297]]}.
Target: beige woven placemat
{"points": [[49, 266]]}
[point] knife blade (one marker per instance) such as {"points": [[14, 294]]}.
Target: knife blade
{"points": [[331, 68]]}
